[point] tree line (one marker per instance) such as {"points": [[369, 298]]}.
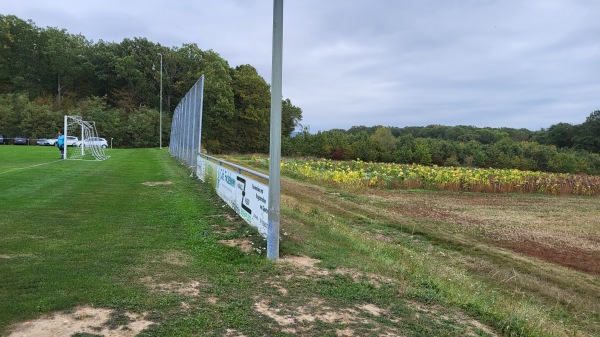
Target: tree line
{"points": [[47, 72], [562, 148]]}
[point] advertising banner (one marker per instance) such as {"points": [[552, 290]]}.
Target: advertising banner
{"points": [[246, 196], [200, 168]]}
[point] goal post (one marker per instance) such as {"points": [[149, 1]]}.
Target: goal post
{"points": [[82, 141]]}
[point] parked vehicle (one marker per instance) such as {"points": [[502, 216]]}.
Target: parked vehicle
{"points": [[93, 141], [71, 141], [42, 141], [20, 141], [1, 139]]}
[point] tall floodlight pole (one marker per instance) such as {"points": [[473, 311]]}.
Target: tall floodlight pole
{"points": [[275, 141], [160, 108]]}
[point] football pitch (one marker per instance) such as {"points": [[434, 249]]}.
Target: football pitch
{"points": [[136, 245], [102, 233]]}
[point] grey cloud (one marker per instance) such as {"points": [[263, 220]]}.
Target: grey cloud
{"points": [[492, 63]]}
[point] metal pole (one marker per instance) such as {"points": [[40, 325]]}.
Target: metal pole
{"points": [[193, 126], [186, 137], [200, 110], [160, 117], [275, 145], [82, 135], [66, 119]]}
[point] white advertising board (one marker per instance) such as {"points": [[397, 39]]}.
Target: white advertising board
{"points": [[201, 168], [246, 196]]}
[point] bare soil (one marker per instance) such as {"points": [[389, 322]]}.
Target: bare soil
{"points": [[299, 319], [560, 230], [83, 320], [583, 260]]}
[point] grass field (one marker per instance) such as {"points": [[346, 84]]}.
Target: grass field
{"points": [[134, 245]]}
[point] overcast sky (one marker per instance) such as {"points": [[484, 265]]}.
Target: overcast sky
{"points": [[497, 63]]}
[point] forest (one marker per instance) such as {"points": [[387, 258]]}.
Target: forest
{"points": [[562, 148], [46, 73]]}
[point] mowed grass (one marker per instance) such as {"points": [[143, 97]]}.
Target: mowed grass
{"points": [[85, 233], [137, 233]]}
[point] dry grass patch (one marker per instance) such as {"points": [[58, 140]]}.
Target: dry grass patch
{"points": [[303, 318], [191, 288], [84, 320], [233, 333], [307, 266], [157, 183], [358, 319], [164, 263], [282, 290], [161, 281], [244, 245], [14, 256], [442, 314], [176, 258]]}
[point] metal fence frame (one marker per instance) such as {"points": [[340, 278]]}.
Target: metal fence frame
{"points": [[186, 133], [186, 125]]}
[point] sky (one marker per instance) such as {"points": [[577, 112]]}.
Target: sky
{"points": [[486, 63]]}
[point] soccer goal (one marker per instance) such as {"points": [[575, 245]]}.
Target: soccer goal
{"points": [[82, 141]]}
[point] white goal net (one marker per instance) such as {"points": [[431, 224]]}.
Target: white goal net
{"points": [[82, 141]]}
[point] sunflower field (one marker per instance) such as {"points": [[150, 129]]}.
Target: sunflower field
{"points": [[358, 173]]}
